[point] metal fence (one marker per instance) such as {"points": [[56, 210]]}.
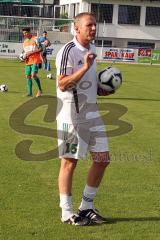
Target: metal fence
{"points": [[11, 27]]}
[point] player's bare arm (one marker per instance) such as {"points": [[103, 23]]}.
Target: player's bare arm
{"points": [[65, 82]]}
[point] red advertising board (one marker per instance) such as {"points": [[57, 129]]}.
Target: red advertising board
{"points": [[144, 52]]}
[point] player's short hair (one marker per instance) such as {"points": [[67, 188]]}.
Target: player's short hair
{"points": [[78, 17], [26, 29], [47, 42], [45, 32]]}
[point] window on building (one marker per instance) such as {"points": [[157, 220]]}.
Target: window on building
{"points": [[16, 9], [5, 9], [74, 10], [141, 44], [153, 16], [62, 9], [77, 8], [106, 43], [129, 14], [30, 11], [103, 12]]}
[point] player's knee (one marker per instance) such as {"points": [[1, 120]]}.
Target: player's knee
{"points": [[105, 164], [101, 158], [101, 164], [68, 164], [34, 76]]}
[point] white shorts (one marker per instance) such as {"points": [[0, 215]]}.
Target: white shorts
{"points": [[75, 140]]}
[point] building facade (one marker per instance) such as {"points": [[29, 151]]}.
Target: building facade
{"points": [[123, 23], [28, 8]]}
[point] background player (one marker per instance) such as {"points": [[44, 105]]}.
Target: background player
{"points": [[32, 50], [44, 41]]}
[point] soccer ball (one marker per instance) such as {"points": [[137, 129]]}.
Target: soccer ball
{"points": [[50, 76], [22, 57], [3, 88], [110, 79]]}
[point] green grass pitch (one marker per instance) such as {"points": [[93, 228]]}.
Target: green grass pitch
{"points": [[130, 191]]}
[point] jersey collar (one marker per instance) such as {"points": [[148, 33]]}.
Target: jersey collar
{"points": [[79, 46]]}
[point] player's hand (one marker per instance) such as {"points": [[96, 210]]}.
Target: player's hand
{"points": [[102, 92], [89, 58]]}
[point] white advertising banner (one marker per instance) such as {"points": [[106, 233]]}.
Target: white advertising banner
{"points": [[13, 50], [10, 49], [120, 54]]}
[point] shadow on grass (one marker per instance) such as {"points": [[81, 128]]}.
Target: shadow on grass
{"points": [[126, 219], [133, 99], [134, 219], [11, 92]]}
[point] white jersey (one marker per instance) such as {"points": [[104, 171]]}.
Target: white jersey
{"points": [[69, 59]]}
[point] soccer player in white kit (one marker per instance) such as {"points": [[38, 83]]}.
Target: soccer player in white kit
{"points": [[80, 128]]}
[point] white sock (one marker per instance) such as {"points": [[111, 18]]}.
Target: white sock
{"points": [[66, 205], [88, 196]]}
